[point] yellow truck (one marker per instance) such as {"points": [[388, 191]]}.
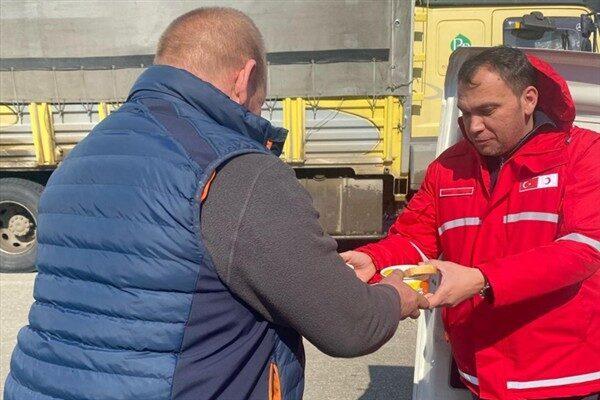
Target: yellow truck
{"points": [[359, 86]]}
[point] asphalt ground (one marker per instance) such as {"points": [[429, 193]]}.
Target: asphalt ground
{"points": [[385, 374]]}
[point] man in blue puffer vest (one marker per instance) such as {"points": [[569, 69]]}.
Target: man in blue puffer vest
{"points": [[152, 287]]}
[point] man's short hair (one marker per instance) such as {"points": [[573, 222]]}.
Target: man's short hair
{"points": [[511, 64], [211, 40]]}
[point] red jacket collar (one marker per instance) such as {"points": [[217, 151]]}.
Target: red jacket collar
{"points": [[544, 150]]}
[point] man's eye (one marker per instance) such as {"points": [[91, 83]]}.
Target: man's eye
{"points": [[487, 111]]}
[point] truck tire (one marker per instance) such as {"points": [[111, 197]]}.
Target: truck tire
{"points": [[19, 199]]}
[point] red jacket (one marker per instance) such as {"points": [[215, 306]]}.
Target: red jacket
{"points": [[536, 238]]}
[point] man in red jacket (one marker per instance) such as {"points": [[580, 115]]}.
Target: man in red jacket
{"points": [[514, 210]]}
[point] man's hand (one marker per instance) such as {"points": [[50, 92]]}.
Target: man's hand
{"points": [[362, 263], [458, 284], [410, 300]]}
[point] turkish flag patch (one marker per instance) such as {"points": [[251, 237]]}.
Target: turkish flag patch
{"points": [[539, 182]]}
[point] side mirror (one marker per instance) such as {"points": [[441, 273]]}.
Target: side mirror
{"points": [[588, 26]]}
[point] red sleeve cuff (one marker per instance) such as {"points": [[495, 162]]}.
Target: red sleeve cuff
{"points": [[389, 251], [377, 277], [368, 250], [497, 280]]}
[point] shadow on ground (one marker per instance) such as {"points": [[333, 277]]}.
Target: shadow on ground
{"points": [[389, 382]]}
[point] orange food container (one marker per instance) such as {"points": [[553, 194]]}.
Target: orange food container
{"points": [[420, 284]]}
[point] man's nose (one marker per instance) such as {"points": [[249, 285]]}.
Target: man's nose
{"points": [[476, 125]]}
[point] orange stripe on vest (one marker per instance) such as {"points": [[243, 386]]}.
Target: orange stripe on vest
{"points": [[274, 384], [207, 187]]}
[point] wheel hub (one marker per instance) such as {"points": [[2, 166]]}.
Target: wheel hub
{"points": [[19, 225], [17, 228]]}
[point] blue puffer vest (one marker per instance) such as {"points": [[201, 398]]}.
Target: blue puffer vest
{"points": [[128, 302]]}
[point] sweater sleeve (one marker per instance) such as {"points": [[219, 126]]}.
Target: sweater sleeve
{"points": [[269, 249]]}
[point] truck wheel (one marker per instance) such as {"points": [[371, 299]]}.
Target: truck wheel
{"points": [[19, 200]]}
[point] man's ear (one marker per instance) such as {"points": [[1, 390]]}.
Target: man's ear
{"points": [[241, 89], [529, 100]]}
